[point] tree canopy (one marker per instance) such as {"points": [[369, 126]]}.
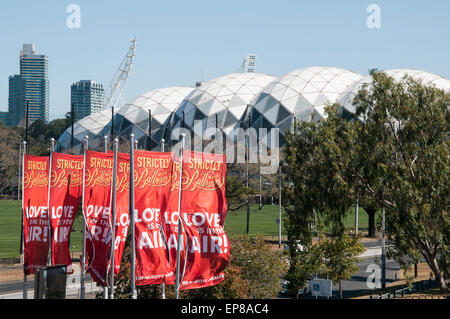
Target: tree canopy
{"points": [[39, 135], [392, 153]]}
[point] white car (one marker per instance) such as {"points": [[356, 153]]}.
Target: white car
{"points": [[299, 246], [300, 292]]}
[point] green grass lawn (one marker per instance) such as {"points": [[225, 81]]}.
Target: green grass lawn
{"points": [[10, 219], [363, 219], [262, 222]]}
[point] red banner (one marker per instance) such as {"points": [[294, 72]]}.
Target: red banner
{"points": [[152, 186], [97, 212], [203, 208], [66, 186], [35, 213], [122, 208]]}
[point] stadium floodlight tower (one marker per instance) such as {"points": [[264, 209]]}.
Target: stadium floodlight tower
{"points": [[249, 64], [115, 88], [92, 124]]}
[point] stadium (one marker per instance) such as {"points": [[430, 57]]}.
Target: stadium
{"points": [[234, 100]]}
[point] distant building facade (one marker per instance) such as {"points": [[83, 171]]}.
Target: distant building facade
{"points": [[4, 118], [15, 100], [87, 98], [30, 86]]}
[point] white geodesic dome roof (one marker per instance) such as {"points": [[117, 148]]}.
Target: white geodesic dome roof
{"points": [[427, 78], [227, 96], [300, 94], [161, 102], [133, 117], [89, 126]]}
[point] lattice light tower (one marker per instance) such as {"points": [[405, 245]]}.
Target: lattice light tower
{"points": [[115, 88], [249, 64]]}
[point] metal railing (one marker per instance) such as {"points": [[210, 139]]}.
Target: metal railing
{"points": [[395, 292]]}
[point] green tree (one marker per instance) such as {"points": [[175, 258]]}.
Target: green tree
{"points": [[233, 287], [393, 154], [9, 159], [340, 256], [254, 272], [41, 132], [38, 144], [237, 190], [235, 186], [336, 257], [321, 188], [261, 265], [304, 264], [57, 127], [320, 171], [403, 152], [298, 197]]}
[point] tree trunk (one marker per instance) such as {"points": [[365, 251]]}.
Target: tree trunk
{"points": [[371, 213], [438, 275], [340, 290]]}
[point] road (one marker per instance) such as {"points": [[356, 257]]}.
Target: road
{"points": [[358, 284], [354, 287]]}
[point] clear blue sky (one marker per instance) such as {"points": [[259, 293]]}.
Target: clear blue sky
{"points": [[179, 41]]}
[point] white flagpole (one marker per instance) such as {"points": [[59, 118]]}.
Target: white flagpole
{"points": [[383, 249], [163, 286], [105, 144], [25, 288], [279, 210], [356, 215], [177, 271], [113, 218], [83, 240], [105, 150], [50, 236], [133, 240], [20, 172]]}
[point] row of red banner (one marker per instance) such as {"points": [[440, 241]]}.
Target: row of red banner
{"points": [[204, 249]]}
